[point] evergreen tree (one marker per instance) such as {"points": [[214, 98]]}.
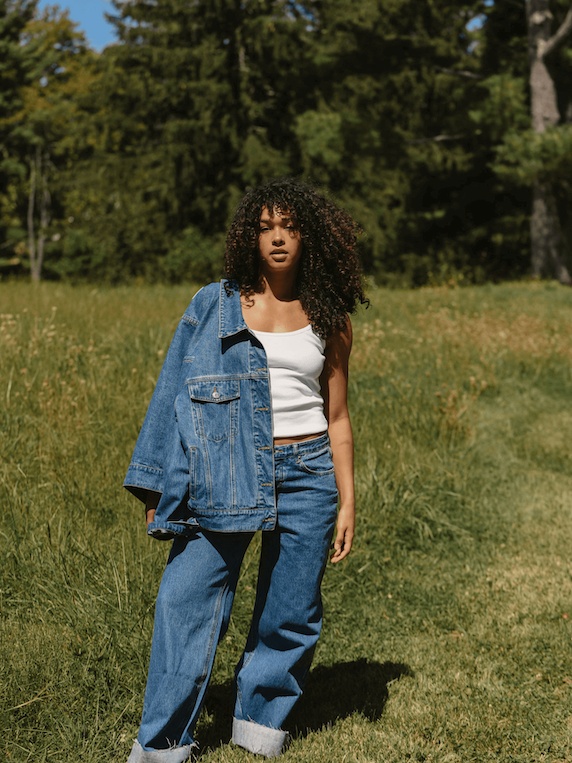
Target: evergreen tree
{"points": [[418, 126], [191, 107], [390, 132], [16, 64]]}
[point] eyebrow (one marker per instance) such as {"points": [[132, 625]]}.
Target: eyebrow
{"points": [[287, 219]]}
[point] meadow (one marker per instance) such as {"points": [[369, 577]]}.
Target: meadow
{"points": [[447, 633]]}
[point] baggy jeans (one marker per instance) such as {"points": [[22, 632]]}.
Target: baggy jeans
{"points": [[193, 610]]}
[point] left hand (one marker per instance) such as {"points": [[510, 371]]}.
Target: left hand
{"points": [[344, 534]]}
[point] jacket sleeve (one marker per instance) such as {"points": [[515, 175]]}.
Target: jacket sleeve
{"points": [[147, 468]]}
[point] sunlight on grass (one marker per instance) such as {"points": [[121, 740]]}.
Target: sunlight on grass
{"points": [[447, 632]]}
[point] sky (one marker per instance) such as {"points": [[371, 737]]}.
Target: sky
{"points": [[89, 15]]}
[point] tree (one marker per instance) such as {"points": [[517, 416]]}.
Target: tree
{"points": [[16, 64], [57, 72], [388, 130], [545, 229], [192, 106]]}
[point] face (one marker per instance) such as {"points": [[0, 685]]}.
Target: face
{"points": [[279, 242]]}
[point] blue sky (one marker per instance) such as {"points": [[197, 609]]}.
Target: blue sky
{"points": [[89, 15]]}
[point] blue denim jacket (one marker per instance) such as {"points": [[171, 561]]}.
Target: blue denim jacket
{"points": [[206, 442]]}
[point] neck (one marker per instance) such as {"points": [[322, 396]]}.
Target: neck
{"points": [[281, 288]]}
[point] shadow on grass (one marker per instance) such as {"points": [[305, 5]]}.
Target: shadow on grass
{"points": [[332, 692]]}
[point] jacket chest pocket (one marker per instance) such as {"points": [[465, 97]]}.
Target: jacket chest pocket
{"points": [[215, 408]]}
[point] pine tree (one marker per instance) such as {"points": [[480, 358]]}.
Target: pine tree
{"points": [[389, 128], [192, 107], [16, 64]]}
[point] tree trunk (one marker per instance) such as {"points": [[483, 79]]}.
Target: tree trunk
{"points": [[545, 229], [38, 171], [31, 204], [45, 216]]}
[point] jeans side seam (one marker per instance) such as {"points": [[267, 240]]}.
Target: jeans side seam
{"points": [[215, 628]]}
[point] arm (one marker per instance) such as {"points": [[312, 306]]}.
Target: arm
{"points": [[146, 470], [334, 391], [151, 502]]}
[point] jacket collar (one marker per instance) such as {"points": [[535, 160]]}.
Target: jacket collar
{"points": [[230, 312]]}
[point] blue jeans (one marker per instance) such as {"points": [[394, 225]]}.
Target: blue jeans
{"points": [[193, 610]]}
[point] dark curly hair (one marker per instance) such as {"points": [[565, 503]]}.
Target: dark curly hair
{"points": [[329, 281]]}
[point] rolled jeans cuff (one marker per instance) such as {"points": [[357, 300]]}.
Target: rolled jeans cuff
{"points": [[258, 739], [172, 755]]}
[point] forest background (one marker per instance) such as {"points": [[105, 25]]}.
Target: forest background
{"points": [[444, 128]]}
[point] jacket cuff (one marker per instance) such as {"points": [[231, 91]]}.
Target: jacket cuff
{"points": [[141, 478]]}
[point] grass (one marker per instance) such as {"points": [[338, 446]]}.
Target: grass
{"points": [[447, 632]]}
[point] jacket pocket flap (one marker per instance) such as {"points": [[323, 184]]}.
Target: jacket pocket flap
{"points": [[214, 391]]}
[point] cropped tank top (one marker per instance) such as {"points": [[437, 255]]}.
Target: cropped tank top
{"points": [[295, 363]]}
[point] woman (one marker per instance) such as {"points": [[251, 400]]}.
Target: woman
{"points": [[248, 429]]}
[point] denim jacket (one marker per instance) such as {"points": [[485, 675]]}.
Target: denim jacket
{"points": [[206, 442]]}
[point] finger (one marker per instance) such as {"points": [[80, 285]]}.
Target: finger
{"points": [[341, 550], [342, 546], [337, 556]]}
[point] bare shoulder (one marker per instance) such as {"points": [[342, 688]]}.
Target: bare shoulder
{"points": [[340, 341]]}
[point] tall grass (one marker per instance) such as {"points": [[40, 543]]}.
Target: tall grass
{"points": [[447, 632]]}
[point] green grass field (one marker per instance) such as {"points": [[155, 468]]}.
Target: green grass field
{"points": [[447, 632]]}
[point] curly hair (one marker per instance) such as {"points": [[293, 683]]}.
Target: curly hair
{"points": [[329, 280]]}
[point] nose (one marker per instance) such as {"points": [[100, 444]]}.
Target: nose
{"points": [[277, 236]]}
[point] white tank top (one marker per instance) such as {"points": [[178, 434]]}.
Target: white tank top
{"points": [[295, 363]]}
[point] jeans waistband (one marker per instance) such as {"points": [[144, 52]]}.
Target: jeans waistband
{"points": [[304, 446]]}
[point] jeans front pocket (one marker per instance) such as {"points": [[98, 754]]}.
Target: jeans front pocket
{"points": [[318, 462], [215, 408]]}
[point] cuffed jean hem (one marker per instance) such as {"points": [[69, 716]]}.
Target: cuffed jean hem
{"points": [[258, 739], [172, 755]]}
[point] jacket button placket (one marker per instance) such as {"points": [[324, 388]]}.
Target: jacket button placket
{"points": [[263, 432]]}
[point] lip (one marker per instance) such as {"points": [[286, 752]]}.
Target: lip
{"points": [[279, 251]]}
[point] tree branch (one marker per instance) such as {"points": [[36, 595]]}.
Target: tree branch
{"points": [[458, 73], [436, 139], [556, 39]]}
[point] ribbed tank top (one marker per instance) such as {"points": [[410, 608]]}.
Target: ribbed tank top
{"points": [[295, 363]]}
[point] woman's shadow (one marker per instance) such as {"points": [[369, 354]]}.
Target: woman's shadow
{"points": [[331, 692]]}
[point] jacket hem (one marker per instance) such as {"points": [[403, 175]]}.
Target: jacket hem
{"points": [[248, 521]]}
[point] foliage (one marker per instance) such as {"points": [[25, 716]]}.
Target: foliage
{"points": [[60, 71], [528, 157], [195, 258], [16, 63], [447, 631], [414, 116]]}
